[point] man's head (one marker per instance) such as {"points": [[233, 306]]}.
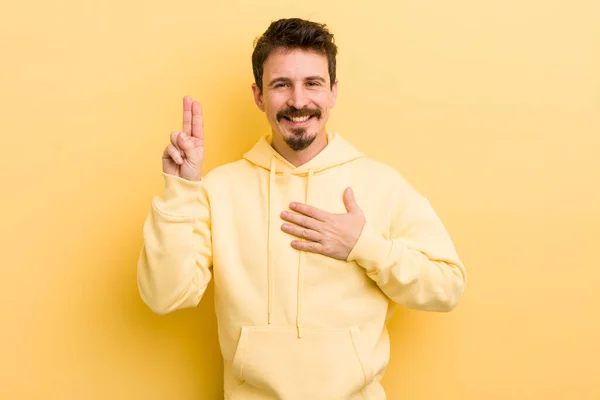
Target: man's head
{"points": [[294, 71]]}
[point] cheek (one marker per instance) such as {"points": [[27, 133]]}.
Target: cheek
{"points": [[272, 113], [273, 105], [322, 100]]}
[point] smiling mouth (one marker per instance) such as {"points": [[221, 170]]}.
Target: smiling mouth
{"points": [[298, 120]]}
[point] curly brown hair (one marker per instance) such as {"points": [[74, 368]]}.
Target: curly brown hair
{"points": [[293, 33]]}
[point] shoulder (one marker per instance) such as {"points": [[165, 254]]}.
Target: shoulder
{"points": [[226, 178], [380, 173], [225, 171]]}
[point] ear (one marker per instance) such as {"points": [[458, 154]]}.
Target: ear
{"points": [[333, 95], [258, 97]]}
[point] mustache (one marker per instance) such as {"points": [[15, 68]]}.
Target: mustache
{"points": [[293, 112]]}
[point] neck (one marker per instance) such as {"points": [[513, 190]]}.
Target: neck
{"points": [[298, 158]]}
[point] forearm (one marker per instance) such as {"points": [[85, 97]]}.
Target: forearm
{"points": [[414, 262], [175, 260], [410, 277]]}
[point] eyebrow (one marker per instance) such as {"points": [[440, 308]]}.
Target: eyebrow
{"points": [[308, 78]]}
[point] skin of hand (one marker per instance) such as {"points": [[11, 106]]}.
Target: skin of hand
{"points": [[184, 156], [333, 235]]}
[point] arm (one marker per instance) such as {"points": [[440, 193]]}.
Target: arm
{"points": [[417, 267], [175, 262]]}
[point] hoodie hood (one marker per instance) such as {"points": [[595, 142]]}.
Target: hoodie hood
{"points": [[337, 152]]}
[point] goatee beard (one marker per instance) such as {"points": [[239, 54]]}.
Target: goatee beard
{"points": [[300, 139]]}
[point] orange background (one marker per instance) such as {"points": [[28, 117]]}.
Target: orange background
{"points": [[490, 109]]}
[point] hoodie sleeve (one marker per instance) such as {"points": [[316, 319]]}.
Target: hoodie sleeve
{"points": [[175, 263], [417, 267]]}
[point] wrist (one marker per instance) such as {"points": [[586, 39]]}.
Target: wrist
{"points": [[370, 250], [180, 196]]}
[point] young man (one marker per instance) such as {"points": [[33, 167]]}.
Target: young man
{"points": [[310, 243]]}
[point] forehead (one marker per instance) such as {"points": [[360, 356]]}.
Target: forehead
{"points": [[296, 63]]}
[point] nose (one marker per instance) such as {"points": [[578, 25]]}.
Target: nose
{"points": [[298, 98]]}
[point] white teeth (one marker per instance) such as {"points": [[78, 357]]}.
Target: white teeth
{"points": [[300, 119]]}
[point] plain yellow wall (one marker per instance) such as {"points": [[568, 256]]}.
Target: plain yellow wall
{"points": [[490, 108]]}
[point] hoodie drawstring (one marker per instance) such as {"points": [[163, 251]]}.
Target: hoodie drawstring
{"points": [[301, 255], [269, 233], [300, 259]]}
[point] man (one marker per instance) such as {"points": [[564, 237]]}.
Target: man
{"points": [[310, 243]]}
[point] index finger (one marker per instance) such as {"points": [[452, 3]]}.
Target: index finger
{"points": [[187, 115], [197, 121], [309, 211]]}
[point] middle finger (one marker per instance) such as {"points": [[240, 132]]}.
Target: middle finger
{"points": [[301, 220], [301, 232]]}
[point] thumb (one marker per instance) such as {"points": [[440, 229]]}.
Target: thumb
{"points": [[350, 201], [187, 145]]}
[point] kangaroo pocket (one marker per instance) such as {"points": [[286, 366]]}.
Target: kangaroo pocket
{"points": [[322, 364]]}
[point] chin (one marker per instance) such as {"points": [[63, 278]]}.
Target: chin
{"points": [[299, 141]]}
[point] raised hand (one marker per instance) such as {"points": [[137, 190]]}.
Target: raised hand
{"points": [[185, 155]]}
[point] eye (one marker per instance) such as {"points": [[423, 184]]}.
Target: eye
{"points": [[313, 83], [279, 85]]}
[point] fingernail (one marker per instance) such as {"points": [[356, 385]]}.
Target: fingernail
{"points": [[183, 137]]}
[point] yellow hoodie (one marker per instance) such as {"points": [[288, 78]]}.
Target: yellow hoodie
{"points": [[296, 325]]}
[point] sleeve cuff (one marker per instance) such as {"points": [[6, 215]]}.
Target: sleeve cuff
{"points": [[371, 250], [181, 197]]}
